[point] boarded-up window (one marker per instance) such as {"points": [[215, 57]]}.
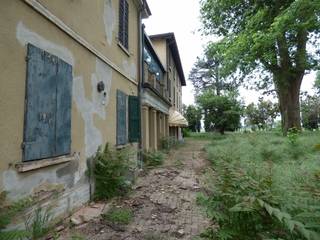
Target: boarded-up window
{"points": [[124, 23], [134, 119], [47, 129], [121, 118]]}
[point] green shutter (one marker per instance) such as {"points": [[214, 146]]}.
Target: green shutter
{"points": [[121, 118], [134, 119]]}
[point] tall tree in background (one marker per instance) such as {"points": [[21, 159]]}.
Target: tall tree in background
{"points": [[205, 75], [193, 116], [223, 113], [310, 112], [261, 115], [268, 36]]}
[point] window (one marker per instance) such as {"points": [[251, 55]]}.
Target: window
{"points": [[124, 23], [47, 128], [133, 119]]}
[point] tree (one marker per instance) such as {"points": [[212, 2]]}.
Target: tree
{"points": [[262, 114], [223, 112], [193, 116], [271, 37], [205, 75], [310, 109], [316, 85]]}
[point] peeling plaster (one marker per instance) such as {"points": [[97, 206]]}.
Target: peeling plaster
{"points": [[19, 186], [87, 108], [130, 69], [25, 36], [109, 19]]}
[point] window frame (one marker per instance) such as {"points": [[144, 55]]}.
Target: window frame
{"points": [[123, 28]]}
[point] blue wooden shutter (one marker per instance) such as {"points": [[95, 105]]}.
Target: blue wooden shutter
{"points": [[47, 128], [40, 110], [121, 118], [64, 102], [134, 119]]}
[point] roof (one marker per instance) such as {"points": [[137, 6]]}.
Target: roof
{"points": [[146, 8], [148, 43], [171, 40]]}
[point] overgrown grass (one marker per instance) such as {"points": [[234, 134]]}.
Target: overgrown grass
{"points": [[122, 216], [110, 170], [265, 187], [153, 158]]}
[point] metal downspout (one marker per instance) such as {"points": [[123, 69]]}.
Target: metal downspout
{"points": [[141, 76]]}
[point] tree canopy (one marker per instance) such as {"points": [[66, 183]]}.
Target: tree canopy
{"points": [[221, 113], [275, 37]]}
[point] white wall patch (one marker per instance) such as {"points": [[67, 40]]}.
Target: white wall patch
{"points": [[87, 108], [130, 69], [109, 19], [25, 36]]}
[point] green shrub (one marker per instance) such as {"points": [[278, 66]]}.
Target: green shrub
{"points": [[261, 190], [8, 212], [121, 216], [169, 143], [186, 132], [153, 158], [37, 224], [110, 168]]}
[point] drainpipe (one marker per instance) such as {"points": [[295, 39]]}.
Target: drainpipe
{"points": [[141, 76]]}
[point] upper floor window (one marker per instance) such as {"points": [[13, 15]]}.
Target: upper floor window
{"points": [[124, 23]]}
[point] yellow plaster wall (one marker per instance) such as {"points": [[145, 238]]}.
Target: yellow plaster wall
{"points": [[14, 15], [160, 46], [88, 18]]}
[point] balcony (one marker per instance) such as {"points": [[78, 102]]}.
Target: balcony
{"points": [[155, 83]]}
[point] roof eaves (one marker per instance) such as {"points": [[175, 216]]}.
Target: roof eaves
{"points": [[170, 37]]}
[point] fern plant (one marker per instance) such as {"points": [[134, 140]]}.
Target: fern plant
{"points": [[260, 198], [110, 170]]}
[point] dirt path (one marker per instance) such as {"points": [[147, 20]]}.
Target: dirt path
{"points": [[163, 201]]}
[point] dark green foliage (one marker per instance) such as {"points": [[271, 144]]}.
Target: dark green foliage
{"points": [[266, 42], [260, 191], [153, 158], [186, 132], [221, 113], [110, 168], [310, 110], [121, 216], [261, 115], [193, 116]]}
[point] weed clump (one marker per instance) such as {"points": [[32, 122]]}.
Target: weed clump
{"points": [[263, 190], [110, 168], [153, 158], [122, 216]]}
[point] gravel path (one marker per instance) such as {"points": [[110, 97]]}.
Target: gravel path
{"points": [[163, 202]]}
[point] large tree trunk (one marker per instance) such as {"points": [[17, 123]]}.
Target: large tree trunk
{"points": [[288, 90]]}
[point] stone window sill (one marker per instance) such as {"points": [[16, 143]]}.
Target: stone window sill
{"points": [[126, 51], [34, 165]]}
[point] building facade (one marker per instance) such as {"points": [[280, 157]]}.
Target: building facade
{"points": [[166, 47], [70, 73], [155, 100]]}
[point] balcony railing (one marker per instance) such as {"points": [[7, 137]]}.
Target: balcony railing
{"points": [[157, 85]]}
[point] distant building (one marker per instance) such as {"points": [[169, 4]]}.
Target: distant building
{"points": [[166, 47], [155, 99]]}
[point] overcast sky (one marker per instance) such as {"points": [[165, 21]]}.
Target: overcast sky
{"points": [[182, 18]]}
